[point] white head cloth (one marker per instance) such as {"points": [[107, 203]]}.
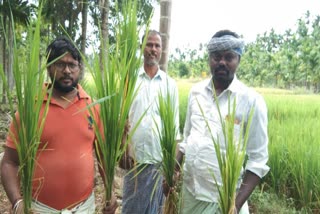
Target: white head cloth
{"points": [[226, 42]]}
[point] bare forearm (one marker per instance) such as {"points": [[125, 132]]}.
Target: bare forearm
{"points": [[179, 158], [250, 181], [10, 181]]}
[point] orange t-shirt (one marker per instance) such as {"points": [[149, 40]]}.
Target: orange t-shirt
{"points": [[64, 170]]}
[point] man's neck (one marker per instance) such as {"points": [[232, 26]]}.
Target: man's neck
{"points": [[151, 70], [64, 98], [220, 87]]}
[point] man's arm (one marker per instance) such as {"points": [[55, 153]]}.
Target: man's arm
{"points": [[126, 162], [9, 174], [250, 181], [179, 158], [257, 151]]}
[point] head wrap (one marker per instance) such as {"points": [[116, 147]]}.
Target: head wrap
{"points": [[226, 42]]}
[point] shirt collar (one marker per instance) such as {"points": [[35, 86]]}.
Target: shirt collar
{"points": [[81, 92], [233, 87], [160, 73]]}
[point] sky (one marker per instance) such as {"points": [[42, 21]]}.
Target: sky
{"points": [[195, 22]]}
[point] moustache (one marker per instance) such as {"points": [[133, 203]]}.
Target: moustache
{"points": [[66, 78], [221, 68], [152, 54]]}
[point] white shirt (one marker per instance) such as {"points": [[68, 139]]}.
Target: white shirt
{"points": [[198, 147], [145, 145]]}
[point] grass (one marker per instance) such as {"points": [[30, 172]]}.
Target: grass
{"points": [[294, 148], [270, 203]]}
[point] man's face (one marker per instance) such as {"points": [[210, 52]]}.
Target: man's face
{"points": [[152, 50], [66, 72], [223, 65]]}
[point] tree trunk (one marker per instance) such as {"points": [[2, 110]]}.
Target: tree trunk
{"points": [[10, 55], [2, 63], [165, 22], [83, 40], [2, 60], [84, 26], [104, 9]]}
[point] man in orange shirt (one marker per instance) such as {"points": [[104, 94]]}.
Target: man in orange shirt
{"points": [[63, 179]]}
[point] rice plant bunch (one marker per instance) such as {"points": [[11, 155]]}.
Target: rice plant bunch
{"points": [[29, 119], [231, 161], [115, 77], [167, 132]]}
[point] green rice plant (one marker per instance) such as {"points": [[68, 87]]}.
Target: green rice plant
{"points": [[294, 140], [115, 77], [184, 88], [167, 132], [30, 111], [230, 163]]}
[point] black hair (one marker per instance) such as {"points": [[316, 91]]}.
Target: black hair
{"points": [[150, 32], [224, 33], [60, 46]]}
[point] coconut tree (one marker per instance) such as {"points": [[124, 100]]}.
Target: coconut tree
{"points": [[63, 16], [18, 12], [165, 23], [83, 37]]}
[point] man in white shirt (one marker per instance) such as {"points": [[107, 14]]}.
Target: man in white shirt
{"points": [[200, 193], [142, 191]]}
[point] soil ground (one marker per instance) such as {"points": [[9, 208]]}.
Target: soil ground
{"points": [[5, 206]]}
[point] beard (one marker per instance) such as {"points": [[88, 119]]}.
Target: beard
{"points": [[65, 88], [151, 59], [223, 76], [152, 62]]}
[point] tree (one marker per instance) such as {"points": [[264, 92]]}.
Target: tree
{"points": [[13, 12], [83, 37], [104, 11], [62, 19], [145, 8], [165, 22]]}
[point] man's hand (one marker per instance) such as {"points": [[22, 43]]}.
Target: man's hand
{"points": [[126, 162], [235, 210], [18, 208], [111, 206], [166, 188]]}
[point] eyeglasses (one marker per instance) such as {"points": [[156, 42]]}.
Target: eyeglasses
{"points": [[61, 66]]}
